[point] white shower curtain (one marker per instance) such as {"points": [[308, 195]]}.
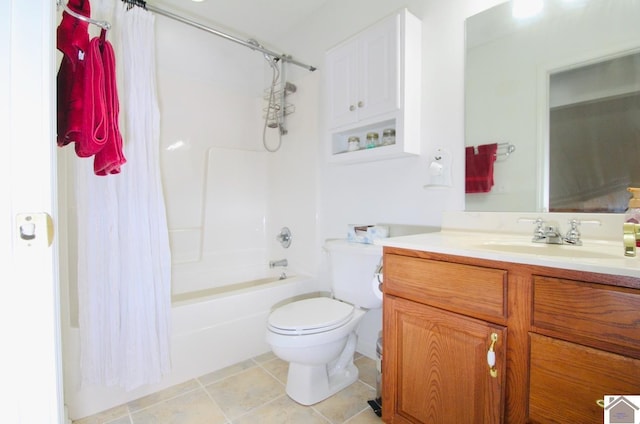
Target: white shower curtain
{"points": [[124, 260]]}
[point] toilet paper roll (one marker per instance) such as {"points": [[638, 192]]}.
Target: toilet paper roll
{"points": [[375, 285]]}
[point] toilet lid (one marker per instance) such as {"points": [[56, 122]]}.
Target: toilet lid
{"points": [[310, 316]]}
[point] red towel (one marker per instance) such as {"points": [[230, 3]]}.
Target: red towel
{"points": [[73, 42], [110, 157], [88, 105], [94, 121], [479, 168]]}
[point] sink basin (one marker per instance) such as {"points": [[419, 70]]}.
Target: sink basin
{"points": [[597, 251]]}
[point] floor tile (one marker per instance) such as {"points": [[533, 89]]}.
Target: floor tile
{"points": [[278, 368], [265, 357], [165, 394], [365, 417], [194, 407], [249, 392], [243, 392], [226, 372], [282, 411], [106, 416], [367, 370], [346, 403], [123, 420]]}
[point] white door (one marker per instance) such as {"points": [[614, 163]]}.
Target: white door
{"points": [[30, 369]]}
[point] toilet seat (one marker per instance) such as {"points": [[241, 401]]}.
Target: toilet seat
{"points": [[310, 316]]}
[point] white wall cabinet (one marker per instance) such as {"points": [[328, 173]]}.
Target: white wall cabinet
{"points": [[373, 83]]}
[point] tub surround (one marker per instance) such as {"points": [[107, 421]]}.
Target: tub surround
{"points": [[521, 336]]}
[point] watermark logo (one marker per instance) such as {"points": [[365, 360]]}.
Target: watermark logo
{"points": [[621, 409]]}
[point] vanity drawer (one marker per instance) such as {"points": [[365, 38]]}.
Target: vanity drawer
{"points": [[567, 379], [595, 314], [467, 289]]}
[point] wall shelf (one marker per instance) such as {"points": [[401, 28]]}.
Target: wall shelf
{"points": [[373, 82]]}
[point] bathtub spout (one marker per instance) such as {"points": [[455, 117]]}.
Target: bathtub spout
{"points": [[283, 276], [281, 262]]}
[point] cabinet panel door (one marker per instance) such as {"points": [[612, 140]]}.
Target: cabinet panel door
{"points": [[380, 62], [342, 83], [567, 379], [435, 366]]}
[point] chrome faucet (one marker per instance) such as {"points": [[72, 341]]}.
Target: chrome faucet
{"points": [[544, 233], [281, 262], [550, 234]]}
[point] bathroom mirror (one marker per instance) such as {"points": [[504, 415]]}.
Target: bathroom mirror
{"points": [[562, 88]]}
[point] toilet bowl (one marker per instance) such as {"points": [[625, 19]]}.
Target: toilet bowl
{"points": [[317, 336], [320, 357]]}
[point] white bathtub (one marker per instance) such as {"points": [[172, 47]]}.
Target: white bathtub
{"points": [[211, 329], [217, 327]]}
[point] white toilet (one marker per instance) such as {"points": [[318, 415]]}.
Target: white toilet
{"points": [[317, 336]]}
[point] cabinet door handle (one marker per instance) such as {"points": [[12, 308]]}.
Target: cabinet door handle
{"points": [[600, 403], [491, 356], [360, 103], [352, 108]]}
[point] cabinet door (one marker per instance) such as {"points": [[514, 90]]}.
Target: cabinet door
{"points": [[342, 84], [567, 379], [435, 366], [363, 74], [379, 58]]}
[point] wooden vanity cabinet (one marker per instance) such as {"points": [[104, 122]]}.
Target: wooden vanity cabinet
{"points": [[565, 339], [440, 321], [585, 344]]}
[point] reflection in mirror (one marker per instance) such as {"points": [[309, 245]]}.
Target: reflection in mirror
{"points": [[594, 136], [511, 66]]}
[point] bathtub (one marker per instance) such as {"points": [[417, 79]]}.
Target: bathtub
{"points": [[212, 328], [217, 327]]}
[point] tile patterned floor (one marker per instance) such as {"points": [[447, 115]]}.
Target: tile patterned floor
{"points": [[251, 392]]}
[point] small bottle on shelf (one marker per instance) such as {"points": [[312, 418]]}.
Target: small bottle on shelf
{"points": [[388, 137], [353, 143], [372, 140]]}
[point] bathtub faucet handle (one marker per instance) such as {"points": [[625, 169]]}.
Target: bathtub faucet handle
{"points": [[284, 237]]}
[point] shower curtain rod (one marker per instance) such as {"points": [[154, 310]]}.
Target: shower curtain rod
{"points": [[195, 24]]}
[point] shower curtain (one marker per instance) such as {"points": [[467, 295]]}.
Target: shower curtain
{"points": [[124, 260]]}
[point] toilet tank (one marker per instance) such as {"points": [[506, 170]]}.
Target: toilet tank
{"points": [[352, 269]]}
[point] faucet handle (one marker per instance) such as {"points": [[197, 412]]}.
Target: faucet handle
{"points": [[573, 235], [539, 232], [284, 237]]}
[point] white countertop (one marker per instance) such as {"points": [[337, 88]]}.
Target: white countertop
{"points": [[595, 255]]}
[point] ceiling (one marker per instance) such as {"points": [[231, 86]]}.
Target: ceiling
{"points": [[265, 20]]}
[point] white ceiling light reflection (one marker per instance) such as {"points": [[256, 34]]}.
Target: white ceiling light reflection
{"points": [[523, 9]]}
